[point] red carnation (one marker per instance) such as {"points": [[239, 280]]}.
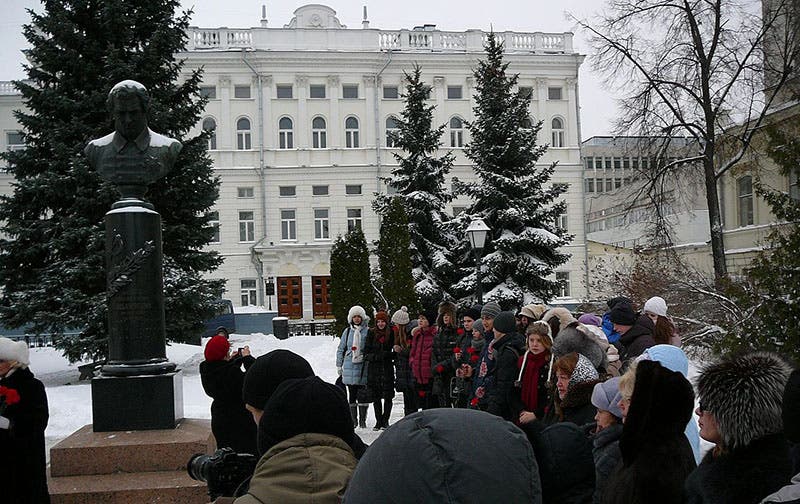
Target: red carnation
{"points": [[440, 369], [353, 348], [474, 402], [460, 331], [8, 396], [474, 358], [381, 340], [457, 350], [470, 350], [421, 393]]}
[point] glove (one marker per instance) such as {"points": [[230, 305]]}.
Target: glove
{"points": [[339, 370], [4, 422]]}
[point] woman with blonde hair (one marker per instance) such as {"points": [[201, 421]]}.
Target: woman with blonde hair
{"points": [[530, 394]]}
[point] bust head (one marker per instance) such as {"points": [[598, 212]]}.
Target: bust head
{"points": [[128, 101]]}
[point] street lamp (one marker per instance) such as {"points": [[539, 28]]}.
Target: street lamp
{"points": [[477, 232]]}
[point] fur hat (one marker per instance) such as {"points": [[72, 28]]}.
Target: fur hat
{"points": [[563, 315], [791, 408], [606, 396], [400, 317], [656, 306], [505, 322], [473, 312], [446, 308], [533, 311], [744, 393], [622, 314], [269, 371], [573, 340], [382, 315], [490, 309], [357, 310], [16, 351], [217, 348]]}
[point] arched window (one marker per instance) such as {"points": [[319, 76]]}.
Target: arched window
{"points": [[351, 132], [209, 124], [392, 132], [744, 190], [243, 134], [557, 128], [319, 138], [456, 132], [285, 133]]}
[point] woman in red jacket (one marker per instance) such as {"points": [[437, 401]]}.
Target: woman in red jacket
{"points": [[420, 358], [531, 393]]}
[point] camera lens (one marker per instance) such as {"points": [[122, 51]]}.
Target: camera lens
{"points": [[197, 467]]}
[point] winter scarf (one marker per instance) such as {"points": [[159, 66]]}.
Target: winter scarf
{"points": [[529, 378], [358, 355]]}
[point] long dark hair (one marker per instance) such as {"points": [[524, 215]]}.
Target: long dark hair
{"points": [[664, 330]]}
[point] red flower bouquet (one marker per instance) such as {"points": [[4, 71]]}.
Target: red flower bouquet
{"points": [[8, 397], [460, 331], [456, 350]]}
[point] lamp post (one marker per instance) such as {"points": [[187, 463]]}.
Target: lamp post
{"points": [[477, 232]]}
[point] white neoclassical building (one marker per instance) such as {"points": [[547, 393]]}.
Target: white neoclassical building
{"points": [[301, 114]]}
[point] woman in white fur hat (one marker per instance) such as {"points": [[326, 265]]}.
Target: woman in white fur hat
{"points": [[664, 333], [23, 418]]}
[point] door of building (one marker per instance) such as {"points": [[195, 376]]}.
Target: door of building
{"points": [[290, 297], [322, 297]]}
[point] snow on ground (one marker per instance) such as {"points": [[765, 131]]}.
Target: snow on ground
{"points": [[70, 400]]}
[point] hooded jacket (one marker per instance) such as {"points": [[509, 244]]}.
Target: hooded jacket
{"points": [[447, 456], [350, 353]]}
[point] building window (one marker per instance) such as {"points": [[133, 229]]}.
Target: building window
{"points": [[562, 277], [590, 185], [617, 163], [599, 185], [353, 218], [557, 127], [209, 92], [287, 191], [213, 221], [745, 191], [392, 132], [316, 91], [321, 224], [351, 132], [350, 91], [794, 188], [352, 189], [209, 124], [590, 163], [454, 93], [319, 136], [241, 91], [390, 93], [554, 93], [609, 185], [319, 190], [249, 292], [617, 183], [284, 91], [561, 220], [243, 134], [285, 133], [288, 225], [247, 227], [456, 132], [526, 92], [626, 163], [244, 192]]}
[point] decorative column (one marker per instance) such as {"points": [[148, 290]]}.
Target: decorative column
{"points": [[544, 115], [335, 121], [572, 113], [226, 124], [438, 112]]}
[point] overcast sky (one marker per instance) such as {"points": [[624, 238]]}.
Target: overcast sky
{"points": [[597, 103]]}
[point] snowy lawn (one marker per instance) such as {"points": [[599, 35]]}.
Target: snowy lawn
{"points": [[70, 400]]}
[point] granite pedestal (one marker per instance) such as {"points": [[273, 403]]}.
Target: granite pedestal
{"points": [[143, 402]]}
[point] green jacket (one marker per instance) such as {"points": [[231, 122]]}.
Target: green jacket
{"points": [[307, 468]]}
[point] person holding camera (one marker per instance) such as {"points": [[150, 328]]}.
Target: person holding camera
{"points": [[222, 377]]}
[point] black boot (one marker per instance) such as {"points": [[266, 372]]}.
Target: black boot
{"points": [[362, 413], [376, 405], [387, 411], [354, 414]]}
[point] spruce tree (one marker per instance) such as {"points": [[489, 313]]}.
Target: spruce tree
{"points": [[52, 267], [350, 281], [419, 182], [394, 259], [512, 194]]}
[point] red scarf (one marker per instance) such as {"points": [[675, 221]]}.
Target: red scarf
{"points": [[530, 378]]}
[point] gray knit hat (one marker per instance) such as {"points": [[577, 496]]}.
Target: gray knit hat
{"points": [[490, 309], [505, 322], [400, 317], [606, 396]]}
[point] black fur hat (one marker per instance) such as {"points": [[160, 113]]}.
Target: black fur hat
{"points": [[744, 393]]}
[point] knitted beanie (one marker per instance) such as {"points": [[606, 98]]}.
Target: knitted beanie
{"points": [[656, 306], [217, 348], [622, 314], [491, 309], [606, 396], [382, 315], [505, 322], [400, 317], [269, 371]]}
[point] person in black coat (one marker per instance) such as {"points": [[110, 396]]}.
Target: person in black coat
{"points": [[566, 465], [222, 378], [380, 369], [575, 378], [740, 411], [656, 455], [22, 449], [636, 333], [443, 359]]}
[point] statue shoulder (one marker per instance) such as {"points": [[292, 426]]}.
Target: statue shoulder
{"points": [[158, 140], [98, 143]]}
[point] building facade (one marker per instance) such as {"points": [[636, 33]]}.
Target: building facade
{"points": [[300, 116]]}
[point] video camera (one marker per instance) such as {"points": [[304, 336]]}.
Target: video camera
{"points": [[224, 471]]}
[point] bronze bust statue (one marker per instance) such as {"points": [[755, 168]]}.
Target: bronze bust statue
{"points": [[133, 156]]}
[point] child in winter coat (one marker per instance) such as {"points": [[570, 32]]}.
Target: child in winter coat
{"points": [[350, 363], [404, 379], [470, 353], [530, 397], [420, 358]]}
